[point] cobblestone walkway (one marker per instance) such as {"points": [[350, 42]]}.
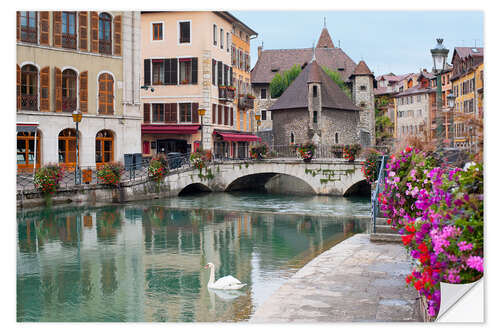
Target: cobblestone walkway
{"points": [[354, 281]]}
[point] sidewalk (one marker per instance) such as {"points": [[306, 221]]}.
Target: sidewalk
{"points": [[354, 281]]}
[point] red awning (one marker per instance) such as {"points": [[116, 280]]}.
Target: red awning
{"points": [[237, 136], [169, 129]]}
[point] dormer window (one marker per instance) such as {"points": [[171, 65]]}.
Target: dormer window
{"points": [[275, 69], [340, 69]]}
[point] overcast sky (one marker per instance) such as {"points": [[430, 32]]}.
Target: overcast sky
{"points": [[389, 41]]}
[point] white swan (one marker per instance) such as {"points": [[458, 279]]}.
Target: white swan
{"points": [[226, 282]]}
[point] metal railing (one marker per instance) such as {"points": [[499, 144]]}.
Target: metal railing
{"points": [[132, 172], [380, 180]]}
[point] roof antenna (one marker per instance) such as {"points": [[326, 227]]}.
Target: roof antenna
{"points": [[324, 21], [314, 53], [475, 42], [339, 43]]}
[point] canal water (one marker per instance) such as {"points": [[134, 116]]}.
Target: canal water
{"points": [[144, 261]]}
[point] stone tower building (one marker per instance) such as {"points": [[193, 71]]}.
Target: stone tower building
{"points": [[363, 97]]}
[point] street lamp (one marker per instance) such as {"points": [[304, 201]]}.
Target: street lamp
{"points": [[201, 112], [77, 117], [257, 118], [439, 54], [451, 104]]}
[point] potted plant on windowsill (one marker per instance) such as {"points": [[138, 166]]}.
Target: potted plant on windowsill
{"points": [[306, 151], [185, 81], [250, 96]]}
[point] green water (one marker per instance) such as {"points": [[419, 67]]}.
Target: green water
{"points": [[144, 261]]}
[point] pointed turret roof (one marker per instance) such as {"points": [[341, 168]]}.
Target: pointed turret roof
{"points": [[325, 41], [295, 96], [362, 69]]}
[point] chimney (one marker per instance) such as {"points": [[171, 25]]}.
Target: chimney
{"points": [[259, 51]]}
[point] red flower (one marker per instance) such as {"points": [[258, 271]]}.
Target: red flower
{"points": [[406, 239], [418, 284], [408, 149], [389, 221]]}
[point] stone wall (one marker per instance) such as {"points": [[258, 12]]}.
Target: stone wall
{"points": [[288, 121], [343, 122], [366, 101]]}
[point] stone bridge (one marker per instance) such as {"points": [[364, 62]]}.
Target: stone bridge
{"points": [[332, 177]]}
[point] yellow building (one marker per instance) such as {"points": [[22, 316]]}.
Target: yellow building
{"points": [[467, 82], [240, 60]]}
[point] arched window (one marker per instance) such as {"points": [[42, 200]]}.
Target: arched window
{"points": [[292, 137], [103, 147], [106, 93], [69, 90], [26, 150], [104, 33], [336, 138], [67, 147], [29, 88]]}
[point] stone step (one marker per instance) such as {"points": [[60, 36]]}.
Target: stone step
{"points": [[381, 221], [385, 238], [385, 229]]}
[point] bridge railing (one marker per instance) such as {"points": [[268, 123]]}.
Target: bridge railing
{"points": [[378, 189], [88, 174]]}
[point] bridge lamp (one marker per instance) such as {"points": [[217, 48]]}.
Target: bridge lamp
{"points": [[257, 118], [439, 54], [451, 103], [77, 118], [201, 113]]}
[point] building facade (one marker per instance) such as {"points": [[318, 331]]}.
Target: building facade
{"points": [[85, 61], [187, 66]]}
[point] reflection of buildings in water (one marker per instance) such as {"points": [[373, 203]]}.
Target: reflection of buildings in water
{"points": [[348, 227]]}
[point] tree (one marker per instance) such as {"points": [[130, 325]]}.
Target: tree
{"points": [[280, 82], [335, 76]]}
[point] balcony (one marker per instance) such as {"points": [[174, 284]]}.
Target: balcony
{"points": [[226, 94], [245, 102], [29, 102]]}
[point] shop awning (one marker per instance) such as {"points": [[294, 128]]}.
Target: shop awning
{"points": [[169, 129], [232, 136], [26, 126]]}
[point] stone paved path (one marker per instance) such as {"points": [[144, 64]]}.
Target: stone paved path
{"points": [[354, 281]]}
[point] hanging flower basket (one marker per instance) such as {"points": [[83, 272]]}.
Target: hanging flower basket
{"points": [[351, 151], [158, 168], [306, 151], [110, 173], [200, 159], [259, 152]]}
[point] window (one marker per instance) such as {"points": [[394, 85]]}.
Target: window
{"points": [[28, 27], [336, 138], [214, 72], [67, 147], [158, 71], [103, 147], [263, 114], [157, 31], [222, 39], [228, 41], [292, 138], [69, 30], [158, 113], [215, 34], [185, 32], [29, 88], [26, 149], [362, 104], [69, 90], [362, 88], [233, 55], [104, 33], [263, 93], [188, 70], [315, 117], [315, 91], [185, 113], [106, 87]]}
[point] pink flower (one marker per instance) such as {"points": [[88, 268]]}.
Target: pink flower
{"points": [[475, 262], [463, 246]]}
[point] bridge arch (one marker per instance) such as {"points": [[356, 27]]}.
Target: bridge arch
{"points": [[194, 188], [272, 182], [361, 187]]}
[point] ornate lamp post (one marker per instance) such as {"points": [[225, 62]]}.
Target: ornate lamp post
{"points": [[451, 104], [77, 117], [201, 113], [257, 118], [439, 54]]}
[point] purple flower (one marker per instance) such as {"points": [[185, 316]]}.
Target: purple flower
{"points": [[475, 262], [463, 246]]}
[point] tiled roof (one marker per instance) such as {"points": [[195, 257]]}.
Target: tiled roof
{"points": [[362, 69], [468, 51], [415, 90], [295, 96], [325, 41], [271, 62]]}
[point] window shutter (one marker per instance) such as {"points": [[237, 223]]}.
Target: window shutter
{"points": [[219, 73], [194, 64], [84, 34], [94, 36], [173, 71], [147, 72], [196, 118], [219, 115], [230, 76], [214, 111], [214, 66], [226, 115], [166, 71], [166, 112], [18, 25], [44, 28], [18, 85], [146, 111], [232, 116], [44, 85], [58, 88], [173, 110], [57, 23], [84, 96], [117, 40]]}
